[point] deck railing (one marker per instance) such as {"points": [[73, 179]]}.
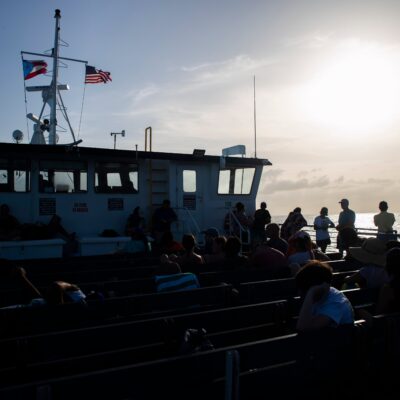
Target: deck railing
{"points": [[362, 232]]}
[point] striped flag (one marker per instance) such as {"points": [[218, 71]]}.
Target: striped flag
{"points": [[94, 75], [33, 68]]}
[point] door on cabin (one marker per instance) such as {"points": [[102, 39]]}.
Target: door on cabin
{"points": [[189, 199]]}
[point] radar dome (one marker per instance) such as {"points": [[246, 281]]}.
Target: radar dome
{"points": [[18, 135]]}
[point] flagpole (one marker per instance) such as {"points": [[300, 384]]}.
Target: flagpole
{"points": [[53, 98]]}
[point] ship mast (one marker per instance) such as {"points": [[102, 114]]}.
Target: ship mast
{"points": [[53, 96]]}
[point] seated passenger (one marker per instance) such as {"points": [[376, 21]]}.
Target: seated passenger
{"points": [[167, 267], [209, 235], [189, 261], [300, 248], [40, 231], [323, 306], [271, 259], [371, 254], [9, 225], [170, 246], [274, 240], [218, 251], [233, 259], [58, 292], [389, 296], [134, 223]]}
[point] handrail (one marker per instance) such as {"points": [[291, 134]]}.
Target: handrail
{"points": [[241, 227], [362, 231], [193, 221], [368, 232]]}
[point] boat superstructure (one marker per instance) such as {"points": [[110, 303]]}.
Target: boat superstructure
{"points": [[93, 189]]}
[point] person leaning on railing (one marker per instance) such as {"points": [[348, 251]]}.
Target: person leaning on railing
{"points": [[384, 222]]}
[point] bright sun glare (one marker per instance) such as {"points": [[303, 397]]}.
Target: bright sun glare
{"points": [[358, 90]]}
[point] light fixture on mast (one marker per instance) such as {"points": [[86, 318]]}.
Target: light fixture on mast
{"points": [[18, 136], [122, 133]]}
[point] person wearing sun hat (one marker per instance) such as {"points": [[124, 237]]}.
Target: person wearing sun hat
{"points": [[372, 254]]}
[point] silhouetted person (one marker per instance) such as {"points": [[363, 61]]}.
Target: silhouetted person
{"points": [[262, 217], [162, 219], [293, 223], [321, 225], [384, 222], [345, 226], [274, 239]]}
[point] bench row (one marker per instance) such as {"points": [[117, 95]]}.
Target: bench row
{"points": [[291, 365]]}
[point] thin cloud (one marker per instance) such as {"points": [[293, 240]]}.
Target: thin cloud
{"points": [[314, 40], [208, 74], [145, 92], [274, 184]]}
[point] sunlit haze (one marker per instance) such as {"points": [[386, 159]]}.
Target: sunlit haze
{"points": [[327, 86]]}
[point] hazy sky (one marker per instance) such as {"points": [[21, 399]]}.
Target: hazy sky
{"points": [[327, 84]]}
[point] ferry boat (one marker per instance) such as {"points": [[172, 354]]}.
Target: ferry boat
{"points": [[96, 189]]}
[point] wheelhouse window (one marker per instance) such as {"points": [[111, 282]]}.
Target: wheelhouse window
{"points": [[62, 177], [236, 181], [116, 177], [14, 175], [189, 181]]}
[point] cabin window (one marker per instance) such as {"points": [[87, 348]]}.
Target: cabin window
{"points": [[116, 178], [235, 180], [14, 175], [62, 177], [189, 181]]}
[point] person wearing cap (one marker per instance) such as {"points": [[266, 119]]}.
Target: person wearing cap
{"points": [[384, 222], [347, 219], [372, 254]]}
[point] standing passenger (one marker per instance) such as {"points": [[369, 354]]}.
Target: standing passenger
{"points": [[321, 225], [345, 226], [162, 219], [294, 222], [262, 217], [384, 221]]}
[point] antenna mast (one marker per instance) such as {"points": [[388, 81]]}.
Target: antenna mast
{"points": [[53, 99], [255, 119]]}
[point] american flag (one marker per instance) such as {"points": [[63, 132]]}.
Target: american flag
{"points": [[94, 75]]}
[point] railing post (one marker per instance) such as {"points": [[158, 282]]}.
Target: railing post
{"points": [[232, 375]]}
